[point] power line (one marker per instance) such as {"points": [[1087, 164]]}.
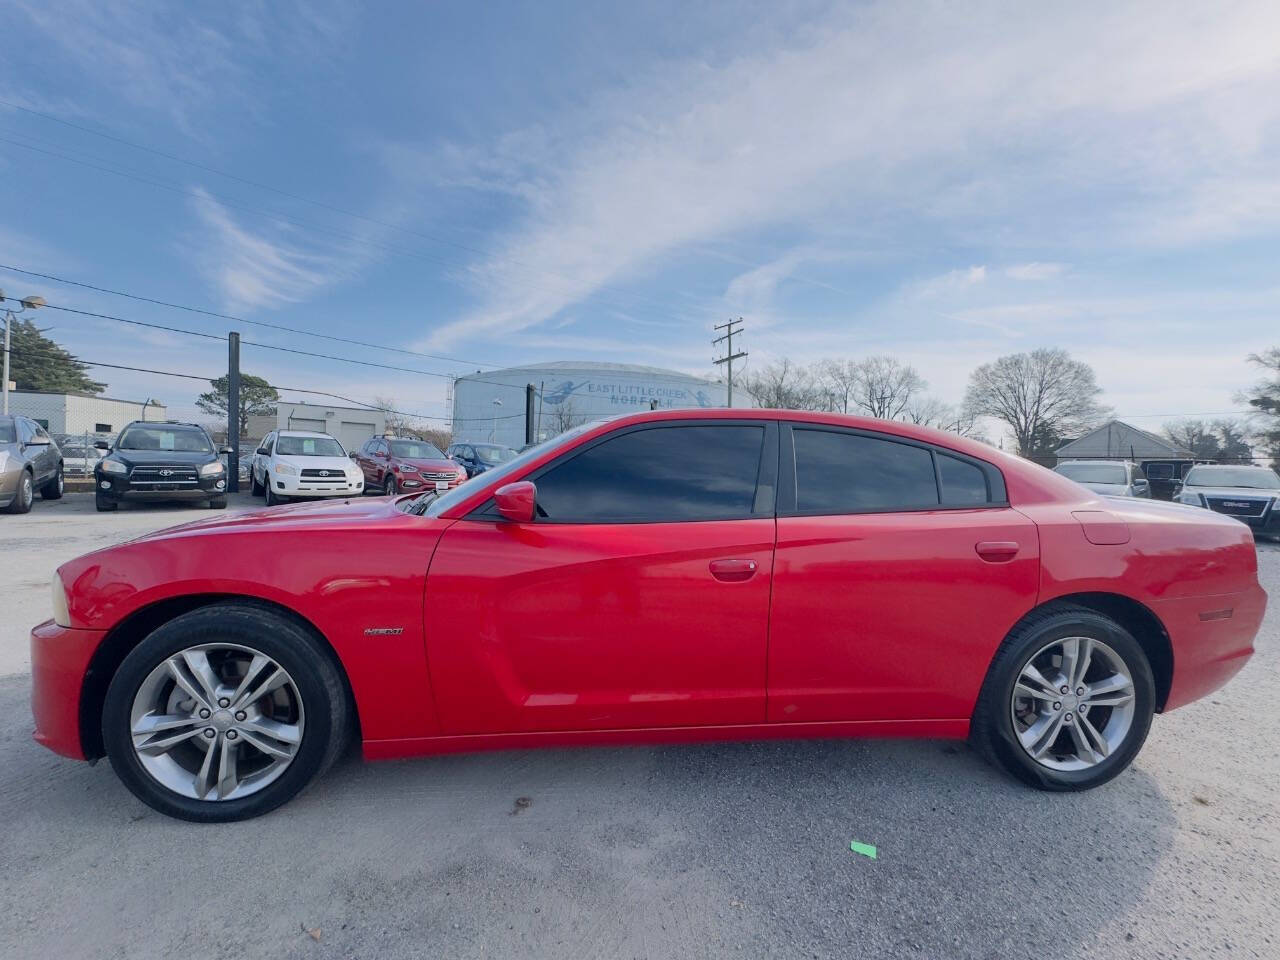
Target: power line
{"points": [[235, 319]]}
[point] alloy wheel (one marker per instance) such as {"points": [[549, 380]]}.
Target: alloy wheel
{"points": [[216, 722], [1073, 704]]}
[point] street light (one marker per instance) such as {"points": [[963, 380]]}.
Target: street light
{"points": [[493, 434], [26, 303]]}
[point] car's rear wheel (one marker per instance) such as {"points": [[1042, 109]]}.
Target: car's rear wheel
{"points": [[1067, 702], [24, 495], [224, 713], [53, 489], [255, 488]]}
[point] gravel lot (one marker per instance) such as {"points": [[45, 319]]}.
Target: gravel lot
{"points": [[738, 849]]}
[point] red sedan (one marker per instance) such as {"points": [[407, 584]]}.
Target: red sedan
{"points": [[668, 576]]}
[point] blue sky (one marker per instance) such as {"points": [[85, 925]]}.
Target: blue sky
{"points": [[501, 183]]}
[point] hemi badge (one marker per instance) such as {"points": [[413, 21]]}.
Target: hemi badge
{"points": [[1217, 614], [396, 631]]}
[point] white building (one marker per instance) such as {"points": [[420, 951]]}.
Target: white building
{"points": [[80, 413], [351, 425], [489, 405]]}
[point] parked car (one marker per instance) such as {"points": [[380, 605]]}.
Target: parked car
{"points": [[393, 465], [1251, 494], [1115, 478], [158, 461], [297, 463], [79, 457], [476, 458], [676, 575], [29, 461]]}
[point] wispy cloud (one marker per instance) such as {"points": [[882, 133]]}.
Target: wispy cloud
{"points": [[250, 270], [881, 116]]}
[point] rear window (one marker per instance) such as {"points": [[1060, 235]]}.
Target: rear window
{"points": [[848, 473], [1093, 472]]}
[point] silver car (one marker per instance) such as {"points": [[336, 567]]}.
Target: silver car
{"points": [[1113, 478], [29, 461], [1251, 494]]}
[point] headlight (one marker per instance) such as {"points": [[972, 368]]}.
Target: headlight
{"points": [[405, 468], [211, 469], [60, 614], [113, 466], [286, 470]]}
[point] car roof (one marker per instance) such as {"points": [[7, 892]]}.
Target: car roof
{"points": [[163, 423]]}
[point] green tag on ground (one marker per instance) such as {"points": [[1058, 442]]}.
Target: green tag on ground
{"points": [[866, 849]]}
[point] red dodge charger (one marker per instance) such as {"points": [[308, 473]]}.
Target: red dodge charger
{"points": [[667, 576]]}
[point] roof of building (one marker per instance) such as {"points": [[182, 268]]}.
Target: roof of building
{"points": [[602, 365], [1119, 440], [87, 396]]}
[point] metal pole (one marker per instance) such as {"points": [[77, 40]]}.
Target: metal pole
{"points": [[528, 413], [730, 366], [8, 319], [233, 412]]}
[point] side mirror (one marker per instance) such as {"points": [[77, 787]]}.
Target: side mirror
{"points": [[101, 445], [353, 454], [224, 450], [38, 442], [261, 450], [517, 501]]}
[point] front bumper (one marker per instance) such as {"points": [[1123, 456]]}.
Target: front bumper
{"points": [[292, 486], [59, 660], [112, 487], [416, 482]]}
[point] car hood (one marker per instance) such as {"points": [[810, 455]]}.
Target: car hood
{"points": [[440, 465], [1248, 493], [357, 510], [139, 457]]}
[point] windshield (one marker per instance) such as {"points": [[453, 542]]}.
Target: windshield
{"points": [[8, 433], [1093, 472], [512, 466], [309, 447], [416, 450], [179, 439], [492, 453], [1255, 478]]}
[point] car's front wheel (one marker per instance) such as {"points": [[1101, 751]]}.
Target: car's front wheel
{"points": [[1067, 702], [272, 497], [392, 489], [24, 495], [224, 713]]}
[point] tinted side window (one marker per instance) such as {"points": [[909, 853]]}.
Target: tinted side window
{"points": [[963, 484], [847, 473], [662, 474]]}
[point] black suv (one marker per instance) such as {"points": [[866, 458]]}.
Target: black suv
{"points": [[160, 461]]}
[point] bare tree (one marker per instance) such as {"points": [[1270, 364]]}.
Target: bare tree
{"points": [[929, 411], [884, 387], [1196, 436], [1264, 397], [1042, 395], [785, 385], [840, 379], [397, 423], [564, 416]]}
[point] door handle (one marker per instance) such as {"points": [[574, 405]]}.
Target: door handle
{"points": [[733, 571], [996, 551]]}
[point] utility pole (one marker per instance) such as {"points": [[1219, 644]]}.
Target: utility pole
{"points": [[529, 389], [233, 412], [729, 355]]}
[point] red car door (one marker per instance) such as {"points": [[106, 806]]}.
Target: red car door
{"points": [[899, 570], [639, 597]]}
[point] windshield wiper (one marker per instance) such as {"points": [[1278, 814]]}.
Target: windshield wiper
{"points": [[418, 506]]}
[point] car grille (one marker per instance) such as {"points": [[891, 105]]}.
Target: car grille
{"points": [[163, 476], [318, 476], [1238, 506], [439, 476]]}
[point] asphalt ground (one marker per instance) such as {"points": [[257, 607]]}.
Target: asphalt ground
{"points": [[697, 851]]}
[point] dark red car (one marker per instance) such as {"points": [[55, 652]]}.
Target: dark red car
{"points": [[394, 465], [667, 576]]}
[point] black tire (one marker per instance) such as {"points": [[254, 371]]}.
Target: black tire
{"points": [[272, 498], [280, 638], [53, 489], [24, 496], [255, 488], [992, 729], [217, 503], [104, 504], [390, 488]]}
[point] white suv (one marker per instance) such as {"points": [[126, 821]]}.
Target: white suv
{"points": [[294, 463]]}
